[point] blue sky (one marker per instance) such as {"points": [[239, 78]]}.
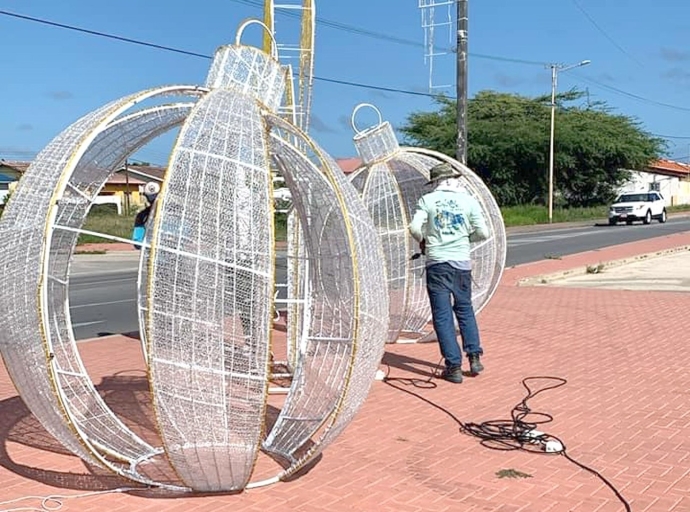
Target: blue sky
{"points": [[51, 76]]}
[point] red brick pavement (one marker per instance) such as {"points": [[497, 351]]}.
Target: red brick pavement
{"points": [[625, 411]]}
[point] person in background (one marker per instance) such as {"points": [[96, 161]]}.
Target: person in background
{"points": [[151, 190], [445, 222]]}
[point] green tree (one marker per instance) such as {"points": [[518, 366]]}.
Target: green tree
{"points": [[508, 146]]}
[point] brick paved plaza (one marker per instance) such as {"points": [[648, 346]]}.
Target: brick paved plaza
{"points": [[624, 411]]}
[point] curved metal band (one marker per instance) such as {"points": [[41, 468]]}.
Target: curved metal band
{"points": [[246, 23], [359, 107]]}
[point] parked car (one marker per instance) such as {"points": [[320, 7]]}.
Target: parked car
{"points": [[643, 206]]}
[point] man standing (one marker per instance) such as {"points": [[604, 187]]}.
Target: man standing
{"points": [[444, 224]]}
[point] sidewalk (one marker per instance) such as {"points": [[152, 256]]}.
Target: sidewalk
{"points": [[625, 412]]}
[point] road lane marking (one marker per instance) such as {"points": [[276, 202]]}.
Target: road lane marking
{"points": [[84, 324], [96, 304]]}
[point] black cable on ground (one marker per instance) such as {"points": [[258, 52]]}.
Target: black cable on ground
{"points": [[427, 383], [519, 432]]}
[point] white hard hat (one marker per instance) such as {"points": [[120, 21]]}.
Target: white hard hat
{"points": [[151, 188]]}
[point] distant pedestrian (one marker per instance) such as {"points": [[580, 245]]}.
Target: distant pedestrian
{"points": [[445, 222], [151, 190]]}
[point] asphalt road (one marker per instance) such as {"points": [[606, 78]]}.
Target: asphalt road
{"points": [[103, 288], [536, 245]]}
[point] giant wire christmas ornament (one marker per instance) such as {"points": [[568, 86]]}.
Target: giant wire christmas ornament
{"points": [[206, 286], [391, 181]]}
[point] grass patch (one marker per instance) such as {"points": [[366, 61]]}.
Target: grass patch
{"points": [[122, 226], [527, 215], [92, 252], [592, 269], [281, 227], [109, 224], [104, 220]]}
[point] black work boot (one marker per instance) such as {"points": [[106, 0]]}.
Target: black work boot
{"points": [[476, 366], [452, 374]]}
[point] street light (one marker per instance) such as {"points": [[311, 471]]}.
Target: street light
{"points": [[555, 68]]}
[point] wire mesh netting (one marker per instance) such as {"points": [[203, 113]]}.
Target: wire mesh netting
{"points": [[42, 223], [348, 305], [205, 287], [23, 233], [390, 191], [391, 181], [210, 292], [211, 288], [107, 151]]}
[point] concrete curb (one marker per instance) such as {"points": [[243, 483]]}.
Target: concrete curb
{"points": [[598, 267]]}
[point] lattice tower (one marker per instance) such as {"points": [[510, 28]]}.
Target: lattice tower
{"points": [[439, 28]]}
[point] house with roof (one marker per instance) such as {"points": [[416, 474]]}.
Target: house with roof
{"points": [[127, 184], [124, 188], [671, 179], [10, 172]]}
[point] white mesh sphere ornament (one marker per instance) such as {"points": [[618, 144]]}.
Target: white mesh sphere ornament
{"points": [[391, 181], [206, 287]]}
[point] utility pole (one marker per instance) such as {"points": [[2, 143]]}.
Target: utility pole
{"points": [[554, 84], [555, 68], [127, 199], [461, 82]]}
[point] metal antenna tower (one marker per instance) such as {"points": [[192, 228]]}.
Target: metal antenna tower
{"points": [[439, 32], [297, 55]]}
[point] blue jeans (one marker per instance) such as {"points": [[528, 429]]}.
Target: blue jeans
{"points": [[444, 282]]}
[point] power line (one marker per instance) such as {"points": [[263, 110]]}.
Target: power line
{"points": [[679, 137], [200, 55], [102, 34], [604, 33], [628, 94], [322, 79]]}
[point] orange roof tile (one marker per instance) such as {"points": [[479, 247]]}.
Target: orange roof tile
{"points": [[671, 167], [349, 165]]}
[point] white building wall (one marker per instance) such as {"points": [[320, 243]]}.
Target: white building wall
{"points": [[668, 186], [110, 199]]}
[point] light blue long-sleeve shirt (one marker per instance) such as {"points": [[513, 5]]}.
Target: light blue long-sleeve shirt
{"points": [[448, 220]]}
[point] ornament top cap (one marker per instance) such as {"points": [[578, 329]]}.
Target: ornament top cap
{"points": [[377, 142], [249, 69]]}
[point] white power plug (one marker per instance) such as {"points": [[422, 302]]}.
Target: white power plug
{"points": [[534, 434], [553, 447]]}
